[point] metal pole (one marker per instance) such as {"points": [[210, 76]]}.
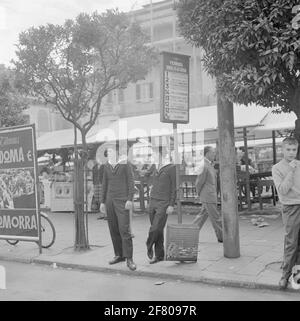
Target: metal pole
{"points": [[37, 187], [177, 164], [274, 147], [247, 169]]}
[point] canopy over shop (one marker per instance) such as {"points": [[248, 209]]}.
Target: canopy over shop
{"points": [[253, 124]]}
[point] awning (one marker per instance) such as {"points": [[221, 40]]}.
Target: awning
{"points": [[57, 139], [280, 121], [201, 119]]}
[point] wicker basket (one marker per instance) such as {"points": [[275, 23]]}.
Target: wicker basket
{"points": [[182, 242]]}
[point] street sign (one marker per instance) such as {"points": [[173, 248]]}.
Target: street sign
{"points": [[19, 203], [174, 88]]}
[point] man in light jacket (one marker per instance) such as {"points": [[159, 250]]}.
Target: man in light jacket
{"points": [[206, 186]]}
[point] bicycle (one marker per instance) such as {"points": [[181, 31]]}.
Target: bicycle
{"points": [[48, 232]]}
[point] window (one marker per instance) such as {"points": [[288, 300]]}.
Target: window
{"points": [[144, 92]]}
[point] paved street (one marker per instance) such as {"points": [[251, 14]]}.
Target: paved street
{"points": [[34, 282], [257, 267]]}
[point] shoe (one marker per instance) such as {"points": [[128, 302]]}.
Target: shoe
{"points": [[116, 259], [131, 264], [155, 260], [100, 218], [220, 241], [283, 283], [150, 253]]}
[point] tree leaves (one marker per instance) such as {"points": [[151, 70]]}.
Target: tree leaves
{"points": [[12, 103], [250, 45], [75, 65]]}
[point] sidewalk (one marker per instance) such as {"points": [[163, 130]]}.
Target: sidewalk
{"points": [[258, 266]]}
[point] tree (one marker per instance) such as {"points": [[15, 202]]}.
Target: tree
{"points": [[75, 65], [251, 47], [12, 103]]}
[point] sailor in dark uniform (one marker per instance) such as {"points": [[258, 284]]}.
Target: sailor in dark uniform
{"points": [[162, 199], [116, 201]]}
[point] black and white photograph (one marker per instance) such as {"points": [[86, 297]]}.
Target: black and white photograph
{"points": [[149, 153]]}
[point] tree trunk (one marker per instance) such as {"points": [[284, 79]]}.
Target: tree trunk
{"points": [[81, 239], [228, 181]]}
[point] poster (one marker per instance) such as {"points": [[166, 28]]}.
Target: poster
{"points": [[174, 88], [19, 206]]}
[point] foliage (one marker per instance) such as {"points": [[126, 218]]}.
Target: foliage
{"points": [[75, 65], [250, 46], [12, 103]]}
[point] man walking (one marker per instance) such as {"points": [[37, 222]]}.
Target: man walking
{"points": [[206, 186], [116, 201], [162, 199], [286, 176]]}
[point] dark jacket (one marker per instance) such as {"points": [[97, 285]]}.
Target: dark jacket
{"points": [[164, 184], [98, 174], [117, 182]]}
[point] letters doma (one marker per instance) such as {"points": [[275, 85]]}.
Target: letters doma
{"points": [[14, 155]]}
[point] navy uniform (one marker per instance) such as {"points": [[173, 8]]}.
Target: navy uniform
{"points": [[117, 189], [163, 195]]}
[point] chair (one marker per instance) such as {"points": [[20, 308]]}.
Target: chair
{"points": [[267, 183]]}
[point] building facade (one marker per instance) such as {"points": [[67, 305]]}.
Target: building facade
{"points": [[159, 21]]}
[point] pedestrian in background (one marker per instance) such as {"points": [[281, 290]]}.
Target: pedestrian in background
{"points": [[116, 201], [286, 176], [206, 186], [97, 172]]}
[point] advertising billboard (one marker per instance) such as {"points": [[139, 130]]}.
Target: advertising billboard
{"points": [[19, 203]]}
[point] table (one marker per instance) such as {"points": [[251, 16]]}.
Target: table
{"points": [[142, 185], [258, 182]]}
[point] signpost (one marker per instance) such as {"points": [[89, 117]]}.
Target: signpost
{"points": [[181, 239], [19, 201], [175, 102]]}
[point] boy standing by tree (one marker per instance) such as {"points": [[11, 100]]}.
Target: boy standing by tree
{"points": [[286, 176]]}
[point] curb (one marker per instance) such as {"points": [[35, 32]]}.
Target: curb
{"points": [[201, 279]]}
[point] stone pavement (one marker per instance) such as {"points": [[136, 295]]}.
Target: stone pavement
{"points": [[258, 266]]}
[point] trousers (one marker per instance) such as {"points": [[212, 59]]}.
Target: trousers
{"points": [[119, 227], [210, 210], [158, 218], [291, 252]]}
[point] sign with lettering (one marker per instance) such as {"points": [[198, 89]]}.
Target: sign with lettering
{"points": [[174, 88], [19, 205]]}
